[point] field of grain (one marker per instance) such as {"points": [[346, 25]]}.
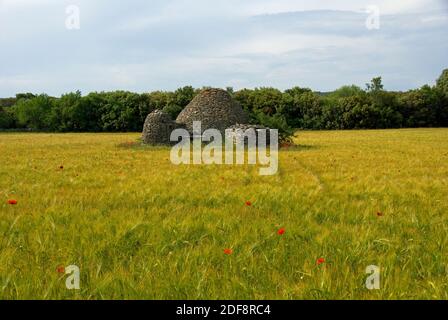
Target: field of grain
{"points": [[140, 227]]}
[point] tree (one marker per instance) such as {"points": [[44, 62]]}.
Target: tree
{"points": [[245, 99], [285, 132], [35, 113], [267, 100], [25, 96], [173, 110], [295, 102], [362, 116], [72, 112], [122, 111], [7, 119], [183, 96], [375, 85], [346, 91], [62, 117], [442, 82], [346, 108], [442, 90], [309, 110], [419, 107], [7, 102], [160, 99], [230, 90], [179, 100]]}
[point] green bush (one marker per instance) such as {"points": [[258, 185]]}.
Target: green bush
{"points": [[277, 121], [348, 107], [7, 119], [35, 113]]}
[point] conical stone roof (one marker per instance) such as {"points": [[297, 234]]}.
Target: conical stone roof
{"points": [[215, 108]]}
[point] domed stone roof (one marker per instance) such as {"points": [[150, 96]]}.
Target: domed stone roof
{"points": [[158, 127], [215, 108]]}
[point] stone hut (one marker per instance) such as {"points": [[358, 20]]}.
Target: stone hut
{"points": [[158, 127], [215, 108]]}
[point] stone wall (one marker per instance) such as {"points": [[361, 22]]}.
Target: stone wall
{"points": [[239, 131]]}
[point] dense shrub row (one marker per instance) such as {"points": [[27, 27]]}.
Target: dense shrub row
{"points": [[349, 107]]}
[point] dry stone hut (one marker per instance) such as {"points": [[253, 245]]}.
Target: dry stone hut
{"points": [[158, 127], [215, 108]]}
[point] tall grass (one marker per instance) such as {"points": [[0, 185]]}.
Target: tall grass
{"points": [[141, 228]]}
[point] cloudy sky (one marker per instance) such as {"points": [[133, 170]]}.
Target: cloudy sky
{"points": [[142, 45]]}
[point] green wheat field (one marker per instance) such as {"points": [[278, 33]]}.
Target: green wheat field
{"points": [[140, 227]]}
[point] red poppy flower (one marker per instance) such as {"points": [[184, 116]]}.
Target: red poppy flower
{"points": [[248, 203], [281, 231], [12, 201], [228, 251], [61, 167], [380, 214], [320, 261], [286, 145], [60, 269]]}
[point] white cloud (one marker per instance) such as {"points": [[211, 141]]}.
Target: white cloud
{"points": [[386, 6], [159, 44]]}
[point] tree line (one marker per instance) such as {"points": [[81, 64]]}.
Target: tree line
{"points": [[349, 107]]}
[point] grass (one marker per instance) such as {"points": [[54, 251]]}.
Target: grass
{"points": [[141, 228]]}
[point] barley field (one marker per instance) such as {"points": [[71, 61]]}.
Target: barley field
{"points": [[140, 227]]}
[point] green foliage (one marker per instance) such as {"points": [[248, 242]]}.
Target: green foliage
{"points": [[7, 116], [348, 107], [183, 96], [442, 82], [442, 92], [173, 110], [346, 91], [277, 121], [35, 113], [7, 102], [177, 101], [123, 111], [375, 85], [244, 97], [266, 100], [419, 107], [361, 116], [25, 96], [307, 111], [7, 119], [296, 102], [75, 113], [160, 99]]}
